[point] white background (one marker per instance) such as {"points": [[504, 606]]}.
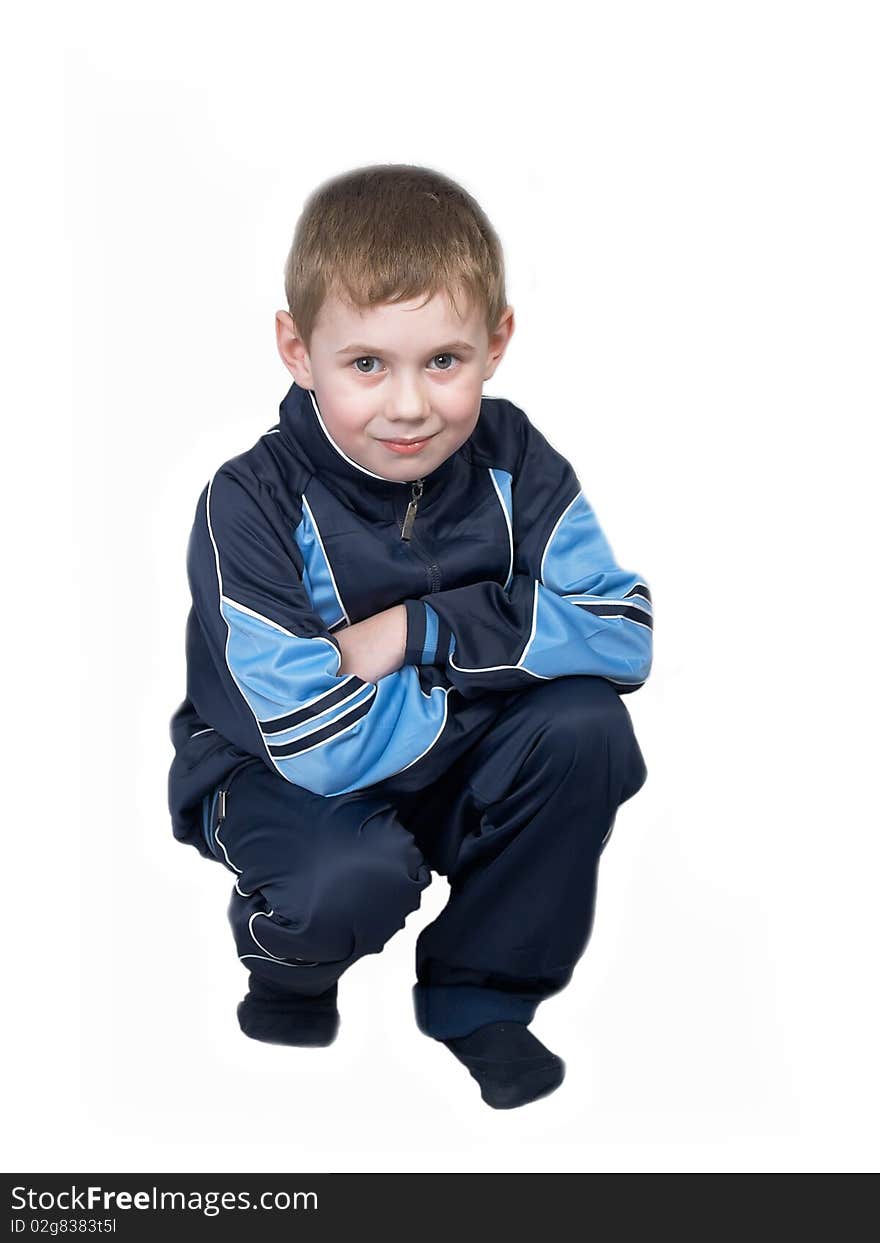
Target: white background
{"points": [[687, 195]]}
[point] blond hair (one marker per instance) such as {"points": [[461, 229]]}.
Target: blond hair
{"points": [[390, 233]]}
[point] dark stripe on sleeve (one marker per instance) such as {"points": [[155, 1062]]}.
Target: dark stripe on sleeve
{"points": [[632, 611], [285, 750], [277, 725]]}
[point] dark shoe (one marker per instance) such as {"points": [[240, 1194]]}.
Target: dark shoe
{"points": [[509, 1063], [275, 1016]]}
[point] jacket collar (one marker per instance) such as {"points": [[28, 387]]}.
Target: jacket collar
{"points": [[304, 429]]}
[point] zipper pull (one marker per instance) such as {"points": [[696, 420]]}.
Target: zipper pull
{"points": [[411, 509]]}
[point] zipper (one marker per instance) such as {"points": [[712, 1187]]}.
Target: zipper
{"points": [[406, 533], [218, 802], [409, 520], [208, 803], [224, 790]]}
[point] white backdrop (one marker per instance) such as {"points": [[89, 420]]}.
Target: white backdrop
{"points": [[687, 195]]}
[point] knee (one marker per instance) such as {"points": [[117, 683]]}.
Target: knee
{"points": [[582, 715], [357, 886], [587, 732]]}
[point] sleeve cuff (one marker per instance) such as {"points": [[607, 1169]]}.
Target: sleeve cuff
{"points": [[428, 637], [416, 620]]}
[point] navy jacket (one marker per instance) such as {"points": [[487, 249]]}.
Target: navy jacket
{"points": [[506, 576]]}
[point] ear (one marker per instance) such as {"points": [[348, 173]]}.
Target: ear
{"points": [[499, 340], [292, 349]]}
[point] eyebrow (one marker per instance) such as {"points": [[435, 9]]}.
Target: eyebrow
{"points": [[463, 346]]}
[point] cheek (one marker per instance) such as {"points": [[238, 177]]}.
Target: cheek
{"points": [[461, 414], [458, 403], [347, 421]]}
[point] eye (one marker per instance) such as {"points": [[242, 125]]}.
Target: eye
{"points": [[365, 358], [449, 356]]}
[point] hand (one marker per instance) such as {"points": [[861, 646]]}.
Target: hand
{"points": [[376, 646]]}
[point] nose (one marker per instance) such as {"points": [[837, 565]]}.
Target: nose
{"points": [[408, 405]]}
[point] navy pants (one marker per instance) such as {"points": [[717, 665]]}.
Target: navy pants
{"points": [[517, 824]]}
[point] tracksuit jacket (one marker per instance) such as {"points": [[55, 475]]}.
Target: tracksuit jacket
{"points": [[505, 573]]}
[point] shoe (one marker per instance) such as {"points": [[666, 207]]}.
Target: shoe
{"points": [[509, 1063], [277, 1016]]}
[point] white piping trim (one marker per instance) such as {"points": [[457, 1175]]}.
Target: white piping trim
{"points": [[273, 957], [282, 962], [507, 522], [222, 845], [266, 915], [243, 608]]}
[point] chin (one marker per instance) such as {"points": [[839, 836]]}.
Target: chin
{"points": [[403, 467]]}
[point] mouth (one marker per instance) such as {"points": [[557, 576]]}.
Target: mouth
{"points": [[407, 446]]}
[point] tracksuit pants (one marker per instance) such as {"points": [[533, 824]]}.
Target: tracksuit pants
{"points": [[517, 824]]}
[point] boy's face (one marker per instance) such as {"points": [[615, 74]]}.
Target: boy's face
{"points": [[396, 372]]}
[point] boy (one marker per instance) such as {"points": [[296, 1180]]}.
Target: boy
{"points": [[407, 648]]}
